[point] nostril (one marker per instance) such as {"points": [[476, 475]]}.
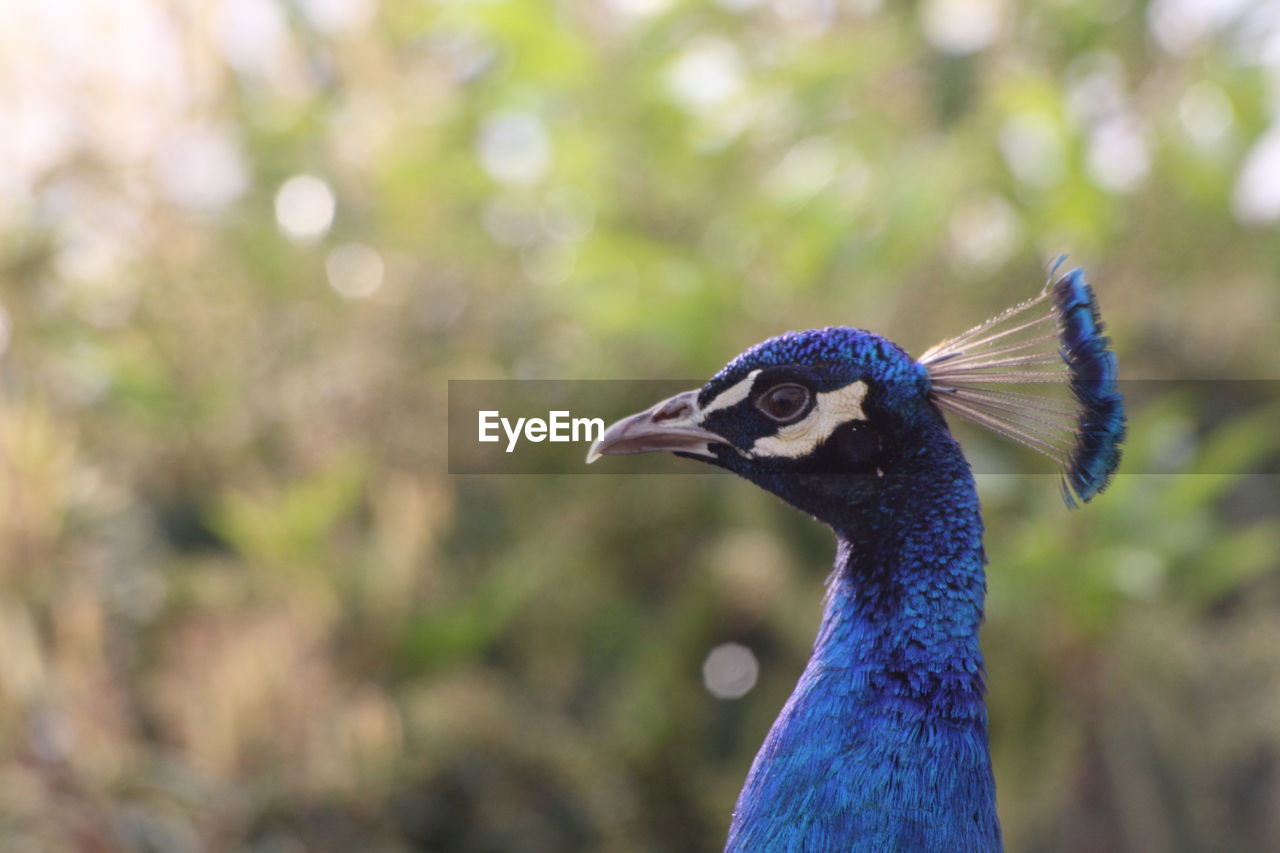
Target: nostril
{"points": [[673, 410]]}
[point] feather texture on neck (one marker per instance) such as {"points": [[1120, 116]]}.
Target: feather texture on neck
{"points": [[883, 744]]}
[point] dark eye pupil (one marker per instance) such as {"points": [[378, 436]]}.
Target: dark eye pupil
{"points": [[785, 401]]}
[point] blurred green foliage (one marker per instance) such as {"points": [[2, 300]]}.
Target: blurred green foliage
{"points": [[243, 606]]}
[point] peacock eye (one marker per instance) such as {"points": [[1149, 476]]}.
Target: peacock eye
{"points": [[784, 403]]}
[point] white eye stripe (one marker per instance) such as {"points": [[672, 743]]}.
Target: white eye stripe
{"points": [[830, 410], [732, 395]]}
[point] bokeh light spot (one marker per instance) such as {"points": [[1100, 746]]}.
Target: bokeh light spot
{"points": [[810, 18], [1117, 157], [984, 232], [253, 34], [961, 27], [304, 208], [1256, 198], [1178, 25], [806, 169], [706, 74], [1206, 114], [354, 270], [202, 169], [1138, 572], [511, 222], [1032, 148], [730, 671], [636, 10], [338, 16], [514, 148]]}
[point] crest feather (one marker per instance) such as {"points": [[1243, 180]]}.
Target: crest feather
{"points": [[1041, 374]]}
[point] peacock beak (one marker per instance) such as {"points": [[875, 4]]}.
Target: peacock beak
{"points": [[671, 425]]}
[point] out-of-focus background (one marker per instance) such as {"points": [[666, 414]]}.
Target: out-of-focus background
{"points": [[244, 244]]}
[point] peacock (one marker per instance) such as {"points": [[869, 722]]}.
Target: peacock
{"points": [[883, 744]]}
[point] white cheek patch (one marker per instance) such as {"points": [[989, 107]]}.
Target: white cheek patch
{"points": [[830, 410], [733, 395]]}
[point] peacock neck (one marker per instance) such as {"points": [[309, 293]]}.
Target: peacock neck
{"points": [[905, 601], [883, 744]]}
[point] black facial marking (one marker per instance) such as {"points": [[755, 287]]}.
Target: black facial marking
{"points": [[855, 448]]}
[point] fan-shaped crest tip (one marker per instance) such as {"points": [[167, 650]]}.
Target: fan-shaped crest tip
{"points": [[1073, 411]]}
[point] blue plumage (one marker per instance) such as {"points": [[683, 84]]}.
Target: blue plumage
{"points": [[1101, 427], [883, 744]]}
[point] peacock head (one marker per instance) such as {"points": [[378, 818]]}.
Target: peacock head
{"points": [[820, 418], [834, 419]]}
